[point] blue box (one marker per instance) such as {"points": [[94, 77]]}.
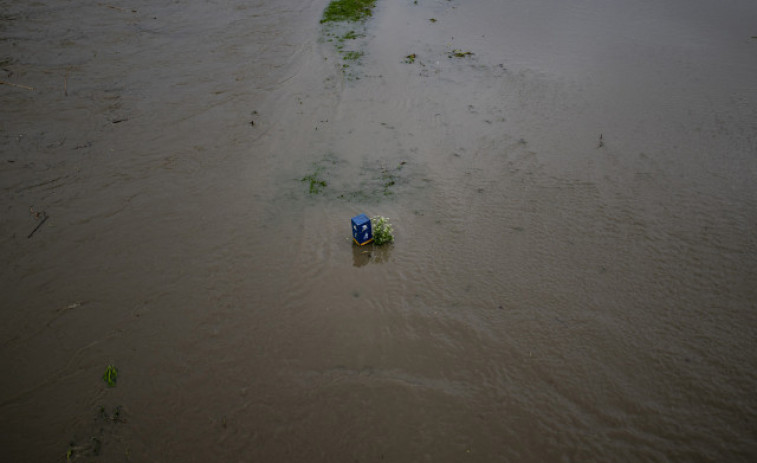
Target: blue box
{"points": [[362, 232]]}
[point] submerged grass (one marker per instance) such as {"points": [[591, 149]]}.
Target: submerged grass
{"points": [[111, 375], [352, 55], [377, 184], [348, 10], [317, 184], [345, 21], [460, 54], [373, 183], [351, 35]]}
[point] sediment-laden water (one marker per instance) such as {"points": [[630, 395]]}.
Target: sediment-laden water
{"points": [[574, 273]]}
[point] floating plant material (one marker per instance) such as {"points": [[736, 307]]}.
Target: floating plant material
{"points": [[348, 10], [111, 375], [460, 54], [410, 59]]}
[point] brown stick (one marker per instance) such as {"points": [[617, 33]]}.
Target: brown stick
{"points": [[16, 85]]}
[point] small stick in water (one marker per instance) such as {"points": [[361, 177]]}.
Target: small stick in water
{"points": [[44, 218], [16, 85], [117, 8]]}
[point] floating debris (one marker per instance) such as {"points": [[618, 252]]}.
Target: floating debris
{"points": [[460, 54], [44, 219]]}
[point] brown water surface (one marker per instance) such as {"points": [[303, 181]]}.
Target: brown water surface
{"points": [[574, 275]]}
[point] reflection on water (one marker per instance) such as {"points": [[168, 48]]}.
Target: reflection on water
{"points": [[371, 254]]}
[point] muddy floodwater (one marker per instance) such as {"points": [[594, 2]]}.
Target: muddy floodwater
{"points": [[572, 187]]}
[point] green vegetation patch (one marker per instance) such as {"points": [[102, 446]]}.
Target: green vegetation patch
{"points": [[389, 178], [382, 230], [315, 182], [351, 35], [111, 375], [352, 55], [348, 10], [332, 177]]}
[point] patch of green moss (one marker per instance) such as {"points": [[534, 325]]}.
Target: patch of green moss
{"points": [[348, 10]]}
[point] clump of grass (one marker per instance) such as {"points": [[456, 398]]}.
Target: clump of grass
{"points": [[410, 59], [348, 10], [382, 230], [111, 375], [316, 184]]}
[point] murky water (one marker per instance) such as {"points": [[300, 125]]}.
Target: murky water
{"points": [[574, 275]]}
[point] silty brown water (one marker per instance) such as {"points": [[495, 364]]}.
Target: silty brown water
{"points": [[573, 276]]}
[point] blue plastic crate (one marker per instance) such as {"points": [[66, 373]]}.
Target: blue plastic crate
{"points": [[362, 232]]}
